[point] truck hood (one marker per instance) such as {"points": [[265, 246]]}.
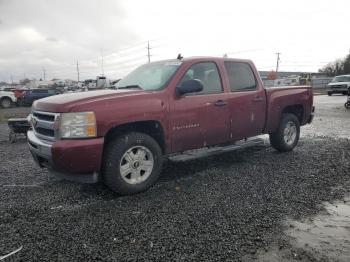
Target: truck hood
{"points": [[339, 83], [64, 102]]}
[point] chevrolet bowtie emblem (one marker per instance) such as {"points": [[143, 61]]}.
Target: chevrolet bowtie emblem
{"points": [[34, 121]]}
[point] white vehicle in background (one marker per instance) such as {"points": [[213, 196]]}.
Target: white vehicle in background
{"points": [[7, 99], [288, 81], [339, 85], [102, 82]]}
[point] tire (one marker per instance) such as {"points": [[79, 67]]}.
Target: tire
{"points": [[347, 105], [131, 151], [329, 93], [6, 102], [12, 137], [286, 142], [20, 102], [345, 93]]}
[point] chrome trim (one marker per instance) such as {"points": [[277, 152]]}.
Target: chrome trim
{"points": [[49, 125], [40, 147], [44, 123], [45, 113]]}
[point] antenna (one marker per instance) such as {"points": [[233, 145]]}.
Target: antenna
{"points": [[179, 57]]}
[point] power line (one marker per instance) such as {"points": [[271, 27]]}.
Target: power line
{"points": [[244, 51], [130, 47]]}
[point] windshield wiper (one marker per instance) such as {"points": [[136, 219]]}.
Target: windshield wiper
{"points": [[129, 86]]}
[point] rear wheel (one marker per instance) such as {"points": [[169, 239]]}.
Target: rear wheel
{"points": [[287, 135], [347, 105], [6, 102], [345, 93], [132, 163]]}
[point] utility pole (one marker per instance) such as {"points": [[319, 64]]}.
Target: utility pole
{"points": [[11, 79], [78, 70], [44, 71], [148, 52], [103, 72], [278, 61]]}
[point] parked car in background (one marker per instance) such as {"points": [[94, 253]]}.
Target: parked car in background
{"points": [[339, 85], [34, 94], [7, 99], [8, 89], [162, 108]]}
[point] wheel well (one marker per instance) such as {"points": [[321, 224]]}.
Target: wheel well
{"points": [[5, 97], [296, 110], [152, 128]]}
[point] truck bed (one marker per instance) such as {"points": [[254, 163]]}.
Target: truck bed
{"points": [[281, 97]]}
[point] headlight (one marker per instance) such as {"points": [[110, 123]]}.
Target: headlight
{"points": [[78, 125]]}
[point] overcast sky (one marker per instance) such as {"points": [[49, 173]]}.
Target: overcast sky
{"points": [[55, 34]]}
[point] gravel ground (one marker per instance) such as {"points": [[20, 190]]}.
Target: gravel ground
{"points": [[331, 118], [13, 112], [225, 207]]}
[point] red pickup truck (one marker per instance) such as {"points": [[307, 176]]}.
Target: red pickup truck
{"points": [[162, 108]]}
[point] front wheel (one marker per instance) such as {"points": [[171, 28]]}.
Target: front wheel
{"points": [[132, 163], [287, 135], [6, 103]]}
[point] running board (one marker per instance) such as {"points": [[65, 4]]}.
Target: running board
{"points": [[205, 152]]}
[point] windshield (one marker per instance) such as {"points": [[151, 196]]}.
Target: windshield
{"points": [[341, 79], [153, 76]]}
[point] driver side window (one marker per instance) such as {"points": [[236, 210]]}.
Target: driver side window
{"points": [[207, 73]]}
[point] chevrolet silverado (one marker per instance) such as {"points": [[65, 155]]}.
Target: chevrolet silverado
{"points": [[162, 108]]}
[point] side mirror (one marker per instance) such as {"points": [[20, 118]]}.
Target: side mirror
{"points": [[189, 86]]}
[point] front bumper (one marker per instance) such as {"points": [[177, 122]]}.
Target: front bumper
{"points": [[337, 89], [75, 160]]}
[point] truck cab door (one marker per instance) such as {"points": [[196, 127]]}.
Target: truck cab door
{"points": [[247, 101], [200, 119]]}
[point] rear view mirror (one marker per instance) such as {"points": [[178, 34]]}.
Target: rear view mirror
{"points": [[189, 86]]}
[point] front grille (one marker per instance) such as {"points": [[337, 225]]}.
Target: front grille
{"points": [[44, 124], [44, 117], [45, 132]]}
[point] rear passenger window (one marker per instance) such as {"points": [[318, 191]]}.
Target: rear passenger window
{"points": [[208, 74], [40, 91], [241, 76]]}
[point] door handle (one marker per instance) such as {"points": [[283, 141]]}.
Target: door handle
{"points": [[257, 99], [220, 103]]}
